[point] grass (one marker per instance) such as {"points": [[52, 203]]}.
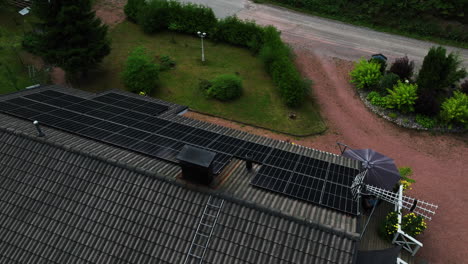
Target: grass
{"points": [[382, 28], [11, 31], [259, 105]]}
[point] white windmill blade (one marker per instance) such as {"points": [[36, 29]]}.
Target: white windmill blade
{"points": [[421, 208]]}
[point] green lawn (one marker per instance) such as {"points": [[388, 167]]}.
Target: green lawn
{"points": [[11, 30], [259, 105]]}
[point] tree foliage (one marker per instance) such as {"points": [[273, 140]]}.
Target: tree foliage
{"points": [[402, 97], [158, 15], [438, 72], [412, 16], [365, 74], [403, 67], [132, 9], [72, 37], [140, 74]]}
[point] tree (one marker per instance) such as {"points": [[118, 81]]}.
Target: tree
{"points": [[140, 73], [438, 72], [72, 37]]}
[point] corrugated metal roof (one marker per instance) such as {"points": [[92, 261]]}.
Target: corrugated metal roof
{"points": [[236, 186], [60, 206]]}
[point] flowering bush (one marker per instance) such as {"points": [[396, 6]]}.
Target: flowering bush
{"points": [[406, 181], [411, 224]]}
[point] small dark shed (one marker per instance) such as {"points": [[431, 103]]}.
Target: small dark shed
{"points": [[196, 164]]}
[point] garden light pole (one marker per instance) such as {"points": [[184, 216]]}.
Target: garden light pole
{"points": [[202, 35]]}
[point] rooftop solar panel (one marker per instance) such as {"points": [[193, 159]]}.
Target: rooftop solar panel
{"points": [[257, 152], [130, 123], [51, 93]]}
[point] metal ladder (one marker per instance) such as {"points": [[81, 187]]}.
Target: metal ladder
{"points": [[204, 231]]}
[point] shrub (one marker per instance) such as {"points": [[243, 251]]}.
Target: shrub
{"points": [[242, 33], [154, 17], [204, 85], [455, 109], [402, 97], [190, 18], [387, 82], [225, 87], [376, 99], [381, 62], [438, 71], [366, 74], [425, 121], [132, 9], [411, 224], [182, 17], [464, 87], [166, 63], [393, 115], [403, 68], [140, 73]]}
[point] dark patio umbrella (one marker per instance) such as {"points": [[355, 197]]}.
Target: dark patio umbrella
{"points": [[381, 170]]}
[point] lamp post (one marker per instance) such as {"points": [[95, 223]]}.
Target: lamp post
{"points": [[202, 35]]}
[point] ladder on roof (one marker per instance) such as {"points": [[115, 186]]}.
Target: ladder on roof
{"points": [[204, 230]]}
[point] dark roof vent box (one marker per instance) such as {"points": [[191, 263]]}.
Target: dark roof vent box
{"points": [[196, 164]]}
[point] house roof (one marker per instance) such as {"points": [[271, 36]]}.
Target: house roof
{"points": [[67, 198]]}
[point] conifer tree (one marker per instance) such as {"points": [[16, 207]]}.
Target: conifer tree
{"points": [[72, 37]]}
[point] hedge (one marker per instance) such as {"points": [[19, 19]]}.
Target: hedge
{"points": [[266, 41]]}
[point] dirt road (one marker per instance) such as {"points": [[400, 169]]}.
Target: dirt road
{"points": [[324, 36]]}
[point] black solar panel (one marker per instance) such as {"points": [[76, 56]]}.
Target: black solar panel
{"points": [[52, 93], [271, 178], [131, 123], [339, 197], [256, 151], [314, 167], [305, 187], [38, 97], [341, 174], [21, 102], [226, 144], [6, 107], [282, 159]]}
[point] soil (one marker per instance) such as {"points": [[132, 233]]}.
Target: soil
{"points": [[110, 11], [438, 161]]}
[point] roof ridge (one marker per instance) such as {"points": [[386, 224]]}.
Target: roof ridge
{"points": [[148, 173]]}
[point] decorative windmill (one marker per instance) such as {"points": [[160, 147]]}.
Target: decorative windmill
{"points": [[378, 179]]}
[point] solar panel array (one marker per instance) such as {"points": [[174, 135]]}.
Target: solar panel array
{"points": [[133, 124], [308, 179]]}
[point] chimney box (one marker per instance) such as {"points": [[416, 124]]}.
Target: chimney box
{"points": [[196, 164]]}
